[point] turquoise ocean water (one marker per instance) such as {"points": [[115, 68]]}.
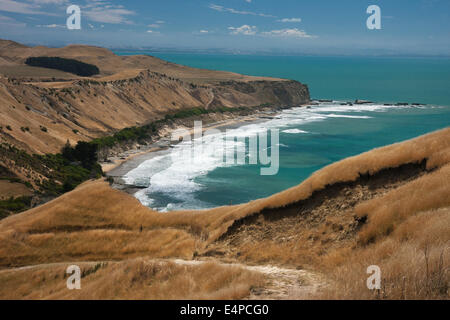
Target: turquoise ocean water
{"points": [[309, 138]]}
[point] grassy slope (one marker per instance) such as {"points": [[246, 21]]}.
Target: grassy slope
{"points": [[95, 222], [15, 54], [145, 279]]}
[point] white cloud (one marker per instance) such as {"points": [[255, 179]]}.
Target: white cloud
{"points": [[253, 30], [244, 30], [290, 20], [105, 12], [107, 15], [153, 25], [230, 10], [153, 31], [204, 31], [52, 26], [291, 33]]}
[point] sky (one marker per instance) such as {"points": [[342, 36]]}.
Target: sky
{"points": [[323, 27]]}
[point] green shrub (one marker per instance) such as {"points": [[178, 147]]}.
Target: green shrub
{"points": [[145, 132], [14, 205]]}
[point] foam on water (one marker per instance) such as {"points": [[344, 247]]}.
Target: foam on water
{"points": [[294, 131], [169, 178], [173, 173], [332, 115]]}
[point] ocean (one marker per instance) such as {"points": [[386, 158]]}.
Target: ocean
{"points": [[309, 138]]}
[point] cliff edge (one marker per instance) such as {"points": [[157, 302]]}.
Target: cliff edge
{"points": [[41, 108]]}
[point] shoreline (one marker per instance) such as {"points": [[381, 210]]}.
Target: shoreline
{"points": [[118, 166], [123, 162]]}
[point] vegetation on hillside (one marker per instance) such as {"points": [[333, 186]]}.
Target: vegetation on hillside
{"points": [[68, 65], [139, 134], [59, 173], [14, 205], [145, 132]]}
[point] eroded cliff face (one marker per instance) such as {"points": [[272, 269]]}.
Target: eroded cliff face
{"points": [[40, 117], [280, 93]]}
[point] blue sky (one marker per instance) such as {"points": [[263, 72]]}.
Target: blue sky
{"points": [[285, 26]]}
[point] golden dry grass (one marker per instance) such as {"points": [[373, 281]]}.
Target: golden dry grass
{"points": [[13, 189], [132, 279], [97, 223], [94, 222], [111, 220], [385, 213], [108, 63], [414, 262]]}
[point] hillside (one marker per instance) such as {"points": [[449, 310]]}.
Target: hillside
{"points": [[128, 91], [41, 109], [110, 64], [389, 207]]}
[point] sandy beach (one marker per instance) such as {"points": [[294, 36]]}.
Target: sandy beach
{"points": [[118, 166]]}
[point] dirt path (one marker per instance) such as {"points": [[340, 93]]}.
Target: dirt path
{"points": [[287, 283], [282, 283]]}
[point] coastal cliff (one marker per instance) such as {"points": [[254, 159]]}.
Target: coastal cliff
{"points": [[41, 109]]}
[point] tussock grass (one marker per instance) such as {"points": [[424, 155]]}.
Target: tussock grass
{"points": [[414, 262], [431, 191], [132, 279]]}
